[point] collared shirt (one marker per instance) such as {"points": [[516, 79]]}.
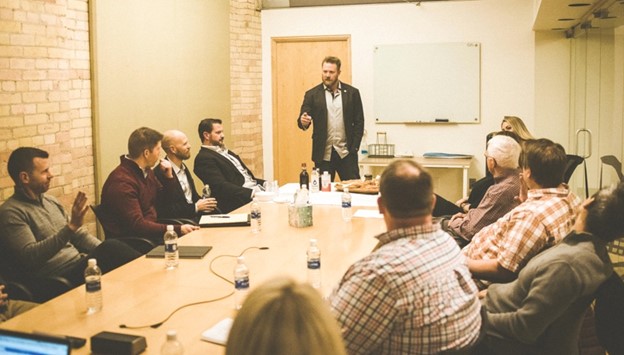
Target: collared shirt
{"points": [[498, 200], [249, 181], [539, 222], [412, 295], [145, 171], [336, 136], [183, 179]]}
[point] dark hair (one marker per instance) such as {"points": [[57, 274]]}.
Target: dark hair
{"points": [[141, 139], [21, 159], [206, 126], [332, 60], [546, 159], [604, 214], [406, 189]]}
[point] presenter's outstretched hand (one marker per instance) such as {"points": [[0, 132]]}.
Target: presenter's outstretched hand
{"points": [[306, 120]]}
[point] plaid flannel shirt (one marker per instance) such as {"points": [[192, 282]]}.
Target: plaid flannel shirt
{"points": [[412, 295], [538, 223]]}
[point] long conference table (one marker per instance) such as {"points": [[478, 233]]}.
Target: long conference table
{"points": [[142, 292]]}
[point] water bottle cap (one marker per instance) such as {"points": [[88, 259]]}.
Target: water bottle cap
{"points": [[172, 335], [92, 262], [313, 242], [240, 260], [346, 189], [169, 227]]}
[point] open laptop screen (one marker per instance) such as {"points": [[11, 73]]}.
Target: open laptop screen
{"points": [[12, 342]]}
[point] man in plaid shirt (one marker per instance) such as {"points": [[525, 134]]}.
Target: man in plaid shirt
{"points": [[413, 294], [546, 215]]}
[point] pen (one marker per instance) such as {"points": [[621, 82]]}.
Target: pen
{"points": [[219, 216]]}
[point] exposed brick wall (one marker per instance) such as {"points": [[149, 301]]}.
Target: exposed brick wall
{"points": [[246, 82], [45, 97]]}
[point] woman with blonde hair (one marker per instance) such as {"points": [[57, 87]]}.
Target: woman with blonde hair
{"points": [[283, 317], [516, 125]]}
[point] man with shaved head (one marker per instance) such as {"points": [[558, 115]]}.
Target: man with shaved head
{"points": [[413, 294], [185, 202]]}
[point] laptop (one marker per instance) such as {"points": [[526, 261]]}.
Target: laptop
{"points": [[184, 251], [13, 342]]}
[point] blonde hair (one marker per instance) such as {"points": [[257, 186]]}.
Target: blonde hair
{"points": [[518, 127], [283, 317]]}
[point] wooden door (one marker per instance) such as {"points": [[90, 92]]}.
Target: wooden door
{"points": [[296, 67]]}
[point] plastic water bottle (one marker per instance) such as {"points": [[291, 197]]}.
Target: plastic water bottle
{"points": [[325, 181], [256, 216], [93, 285], [171, 248], [172, 345], [314, 264], [241, 282], [314, 183], [347, 213]]}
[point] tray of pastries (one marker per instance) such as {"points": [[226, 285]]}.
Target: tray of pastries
{"points": [[359, 186]]}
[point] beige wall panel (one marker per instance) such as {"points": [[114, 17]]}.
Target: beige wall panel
{"points": [[162, 64]]}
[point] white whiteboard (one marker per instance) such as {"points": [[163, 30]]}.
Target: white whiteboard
{"points": [[427, 82]]}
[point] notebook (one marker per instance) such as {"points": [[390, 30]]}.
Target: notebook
{"points": [[184, 251], [219, 332], [225, 220], [12, 342]]}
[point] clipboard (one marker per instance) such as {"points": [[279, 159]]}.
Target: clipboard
{"points": [[225, 220]]}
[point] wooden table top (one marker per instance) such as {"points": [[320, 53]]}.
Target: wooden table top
{"points": [[143, 292]]}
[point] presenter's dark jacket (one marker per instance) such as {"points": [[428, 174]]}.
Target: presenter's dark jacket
{"points": [[353, 114], [176, 206], [224, 179]]}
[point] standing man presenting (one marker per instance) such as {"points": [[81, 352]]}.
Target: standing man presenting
{"points": [[336, 109]]}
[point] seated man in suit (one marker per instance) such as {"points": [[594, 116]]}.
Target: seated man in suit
{"points": [[184, 202], [546, 215], [541, 312], [232, 183], [131, 191], [37, 239]]}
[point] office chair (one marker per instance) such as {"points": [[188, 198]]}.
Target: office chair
{"points": [[35, 288], [142, 245], [572, 162], [609, 314], [615, 163]]}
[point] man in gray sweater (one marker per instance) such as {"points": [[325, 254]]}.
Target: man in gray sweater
{"points": [[542, 310], [36, 237]]}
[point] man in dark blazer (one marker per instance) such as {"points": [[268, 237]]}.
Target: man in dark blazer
{"points": [[184, 202], [336, 109], [232, 183]]}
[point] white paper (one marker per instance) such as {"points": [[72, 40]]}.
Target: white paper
{"points": [[367, 214], [219, 332]]}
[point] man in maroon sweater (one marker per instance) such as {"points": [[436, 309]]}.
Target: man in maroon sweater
{"points": [[131, 191]]}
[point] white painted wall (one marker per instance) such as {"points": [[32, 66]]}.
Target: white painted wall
{"points": [[508, 63]]}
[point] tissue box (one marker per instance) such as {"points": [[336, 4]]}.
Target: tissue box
{"points": [[300, 216]]}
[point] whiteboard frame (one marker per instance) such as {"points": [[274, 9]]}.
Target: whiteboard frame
{"points": [[428, 83]]}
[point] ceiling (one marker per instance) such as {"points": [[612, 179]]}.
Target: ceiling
{"points": [[272, 4], [551, 15], [561, 15]]}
